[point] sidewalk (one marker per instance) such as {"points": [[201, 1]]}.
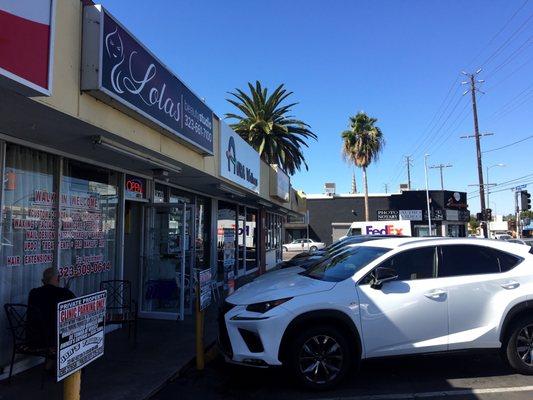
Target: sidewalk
{"points": [[124, 372]]}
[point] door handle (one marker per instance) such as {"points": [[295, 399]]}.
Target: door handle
{"points": [[435, 294], [510, 285]]}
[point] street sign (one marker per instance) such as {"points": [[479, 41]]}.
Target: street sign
{"points": [[80, 332], [205, 278], [520, 187]]}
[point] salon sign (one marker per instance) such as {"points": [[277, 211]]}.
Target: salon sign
{"points": [[119, 70]]}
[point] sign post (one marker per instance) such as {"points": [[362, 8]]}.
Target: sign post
{"points": [[203, 300], [80, 338]]}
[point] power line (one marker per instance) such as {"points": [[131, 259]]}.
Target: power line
{"points": [[499, 32], [511, 57], [509, 145], [506, 43]]}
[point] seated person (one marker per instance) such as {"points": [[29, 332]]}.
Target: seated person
{"points": [[41, 329]]}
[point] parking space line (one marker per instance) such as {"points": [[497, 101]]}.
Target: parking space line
{"points": [[446, 393]]}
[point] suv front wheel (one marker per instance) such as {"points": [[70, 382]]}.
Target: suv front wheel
{"points": [[519, 345], [320, 357]]}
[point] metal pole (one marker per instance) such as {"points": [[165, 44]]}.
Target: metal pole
{"points": [[488, 203], [427, 193], [517, 193], [478, 148], [72, 386]]}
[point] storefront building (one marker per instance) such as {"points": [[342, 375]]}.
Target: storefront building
{"points": [[114, 169], [331, 215]]}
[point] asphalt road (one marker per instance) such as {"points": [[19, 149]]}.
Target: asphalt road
{"points": [[457, 377]]}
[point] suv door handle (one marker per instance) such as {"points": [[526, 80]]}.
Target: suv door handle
{"points": [[510, 285], [435, 294]]}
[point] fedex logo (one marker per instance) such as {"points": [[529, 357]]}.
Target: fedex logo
{"points": [[388, 230]]}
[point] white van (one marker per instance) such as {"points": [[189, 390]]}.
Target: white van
{"points": [[402, 228]]}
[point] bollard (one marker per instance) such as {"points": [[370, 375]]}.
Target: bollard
{"points": [[72, 386]]}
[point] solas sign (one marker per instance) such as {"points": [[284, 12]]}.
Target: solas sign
{"points": [[239, 162], [121, 71]]}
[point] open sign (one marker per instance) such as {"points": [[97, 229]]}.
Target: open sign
{"points": [[134, 187]]}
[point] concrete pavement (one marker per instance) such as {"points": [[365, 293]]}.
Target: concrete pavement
{"points": [[459, 376]]}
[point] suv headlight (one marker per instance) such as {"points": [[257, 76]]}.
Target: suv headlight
{"points": [[266, 305]]}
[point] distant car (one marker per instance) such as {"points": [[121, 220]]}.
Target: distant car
{"points": [[526, 241], [303, 245], [305, 259]]}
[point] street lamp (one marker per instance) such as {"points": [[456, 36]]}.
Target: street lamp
{"points": [[488, 191], [427, 192]]}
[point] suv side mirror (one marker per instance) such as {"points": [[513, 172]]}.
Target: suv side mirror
{"points": [[382, 275]]}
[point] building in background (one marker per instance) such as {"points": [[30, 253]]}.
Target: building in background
{"points": [[332, 214]]}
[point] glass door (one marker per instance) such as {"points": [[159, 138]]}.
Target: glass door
{"points": [[168, 279]]}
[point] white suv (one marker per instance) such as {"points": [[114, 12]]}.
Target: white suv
{"points": [[385, 298]]}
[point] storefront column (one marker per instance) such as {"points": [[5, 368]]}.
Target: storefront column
{"points": [[119, 261], [58, 174], [214, 239], [2, 183], [262, 240]]}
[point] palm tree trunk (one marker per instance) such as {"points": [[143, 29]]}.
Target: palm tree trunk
{"points": [[366, 194]]}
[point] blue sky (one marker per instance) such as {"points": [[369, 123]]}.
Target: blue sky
{"points": [[399, 61]]}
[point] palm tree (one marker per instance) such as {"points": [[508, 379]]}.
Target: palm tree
{"points": [[362, 144], [267, 127]]}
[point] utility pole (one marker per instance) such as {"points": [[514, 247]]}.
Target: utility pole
{"points": [[441, 166], [386, 187], [427, 193], [472, 80], [409, 165]]}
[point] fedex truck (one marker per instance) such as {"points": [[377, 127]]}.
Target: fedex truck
{"points": [[380, 228]]}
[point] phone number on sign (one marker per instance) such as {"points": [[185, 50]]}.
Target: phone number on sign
{"points": [[84, 269]]}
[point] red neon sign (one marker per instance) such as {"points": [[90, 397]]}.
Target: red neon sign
{"points": [[135, 185]]}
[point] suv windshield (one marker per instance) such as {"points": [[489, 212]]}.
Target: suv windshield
{"points": [[344, 264]]}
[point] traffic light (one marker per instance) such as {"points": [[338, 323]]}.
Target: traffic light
{"points": [[525, 200], [488, 214], [479, 216]]}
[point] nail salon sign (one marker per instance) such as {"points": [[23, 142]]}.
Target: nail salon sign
{"points": [[119, 70]]}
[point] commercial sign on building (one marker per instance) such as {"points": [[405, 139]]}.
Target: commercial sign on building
{"points": [[280, 184], [80, 332], [456, 200], [239, 162], [387, 215], [411, 215], [134, 188], [119, 70], [26, 45]]}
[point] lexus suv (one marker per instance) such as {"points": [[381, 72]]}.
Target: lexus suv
{"points": [[384, 298]]}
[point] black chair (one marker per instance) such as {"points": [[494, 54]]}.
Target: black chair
{"points": [[121, 309], [17, 317]]}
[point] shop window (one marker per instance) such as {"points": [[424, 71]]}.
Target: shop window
{"points": [[226, 227], [28, 227], [88, 214]]}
